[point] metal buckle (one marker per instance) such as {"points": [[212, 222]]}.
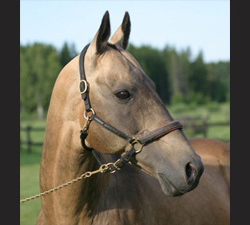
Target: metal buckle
{"points": [[107, 168], [85, 86], [88, 117], [135, 143]]}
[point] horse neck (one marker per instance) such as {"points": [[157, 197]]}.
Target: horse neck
{"points": [[76, 200], [63, 158]]}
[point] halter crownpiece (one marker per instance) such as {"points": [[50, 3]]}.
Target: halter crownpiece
{"points": [[135, 143]]}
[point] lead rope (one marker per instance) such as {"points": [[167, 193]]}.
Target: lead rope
{"points": [[102, 169]]}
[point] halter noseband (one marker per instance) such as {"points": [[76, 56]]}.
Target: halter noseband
{"points": [[136, 144]]}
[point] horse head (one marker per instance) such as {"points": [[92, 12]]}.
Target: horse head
{"points": [[125, 97]]}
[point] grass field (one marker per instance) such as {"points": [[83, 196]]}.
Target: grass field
{"points": [[29, 185], [30, 162]]}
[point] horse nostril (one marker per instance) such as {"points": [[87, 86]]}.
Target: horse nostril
{"points": [[190, 173]]}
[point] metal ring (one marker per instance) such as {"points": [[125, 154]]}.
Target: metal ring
{"points": [[112, 164], [134, 142], [85, 114], [104, 168], [85, 86], [88, 174]]}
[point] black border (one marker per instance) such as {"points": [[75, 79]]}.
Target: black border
{"points": [[239, 107], [10, 111]]}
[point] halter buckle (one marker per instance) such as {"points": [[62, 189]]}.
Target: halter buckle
{"points": [[108, 168], [136, 142], [85, 86], [89, 117]]}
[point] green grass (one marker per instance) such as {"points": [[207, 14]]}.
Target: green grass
{"points": [[29, 185], [29, 173], [30, 163]]}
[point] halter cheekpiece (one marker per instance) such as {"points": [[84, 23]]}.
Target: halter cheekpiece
{"points": [[135, 143]]}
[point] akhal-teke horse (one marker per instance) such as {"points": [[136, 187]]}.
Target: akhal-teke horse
{"points": [[103, 109]]}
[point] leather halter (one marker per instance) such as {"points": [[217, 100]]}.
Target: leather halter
{"points": [[136, 144]]}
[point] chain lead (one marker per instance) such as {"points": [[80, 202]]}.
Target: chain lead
{"points": [[102, 169]]}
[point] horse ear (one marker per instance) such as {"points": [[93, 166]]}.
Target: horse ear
{"points": [[121, 36], [100, 41]]}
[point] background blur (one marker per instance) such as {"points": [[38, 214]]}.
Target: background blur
{"points": [[184, 46]]}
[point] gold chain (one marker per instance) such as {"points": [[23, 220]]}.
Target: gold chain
{"points": [[103, 168]]}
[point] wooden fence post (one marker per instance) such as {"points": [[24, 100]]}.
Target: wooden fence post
{"points": [[28, 129], [204, 127]]}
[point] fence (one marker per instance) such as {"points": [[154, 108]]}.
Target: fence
{"points": [[204, 127], [201, 125], [29, 143], [192, 125]]}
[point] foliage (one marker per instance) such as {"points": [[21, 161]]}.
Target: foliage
{"points": [[180, 79], [178, 67], [219, 81], [39, 66], [67, 53]]}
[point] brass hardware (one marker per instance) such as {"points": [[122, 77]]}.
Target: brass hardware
{"points": [[135, 143], [85, 86], [88, 117], [86, 126]]}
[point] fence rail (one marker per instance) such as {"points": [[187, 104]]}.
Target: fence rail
{"points": [[203, 126], [29, 143], [195, 126]]}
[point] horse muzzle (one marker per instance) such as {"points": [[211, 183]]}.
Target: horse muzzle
{"points": [[181, 183]]}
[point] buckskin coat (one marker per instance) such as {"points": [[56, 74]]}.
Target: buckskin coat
{"points": [[155, 188]]}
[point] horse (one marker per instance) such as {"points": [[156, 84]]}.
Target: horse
{"points": [[155, 174]]}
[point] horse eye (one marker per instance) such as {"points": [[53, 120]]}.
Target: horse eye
{"points": [[123, 94]]}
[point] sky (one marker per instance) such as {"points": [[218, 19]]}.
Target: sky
{"points": [[201, 25]]}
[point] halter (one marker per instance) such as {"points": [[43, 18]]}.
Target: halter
{"points": [[136, 144]]}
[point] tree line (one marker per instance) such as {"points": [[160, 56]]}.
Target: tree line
{"points": [[177, 76]]}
